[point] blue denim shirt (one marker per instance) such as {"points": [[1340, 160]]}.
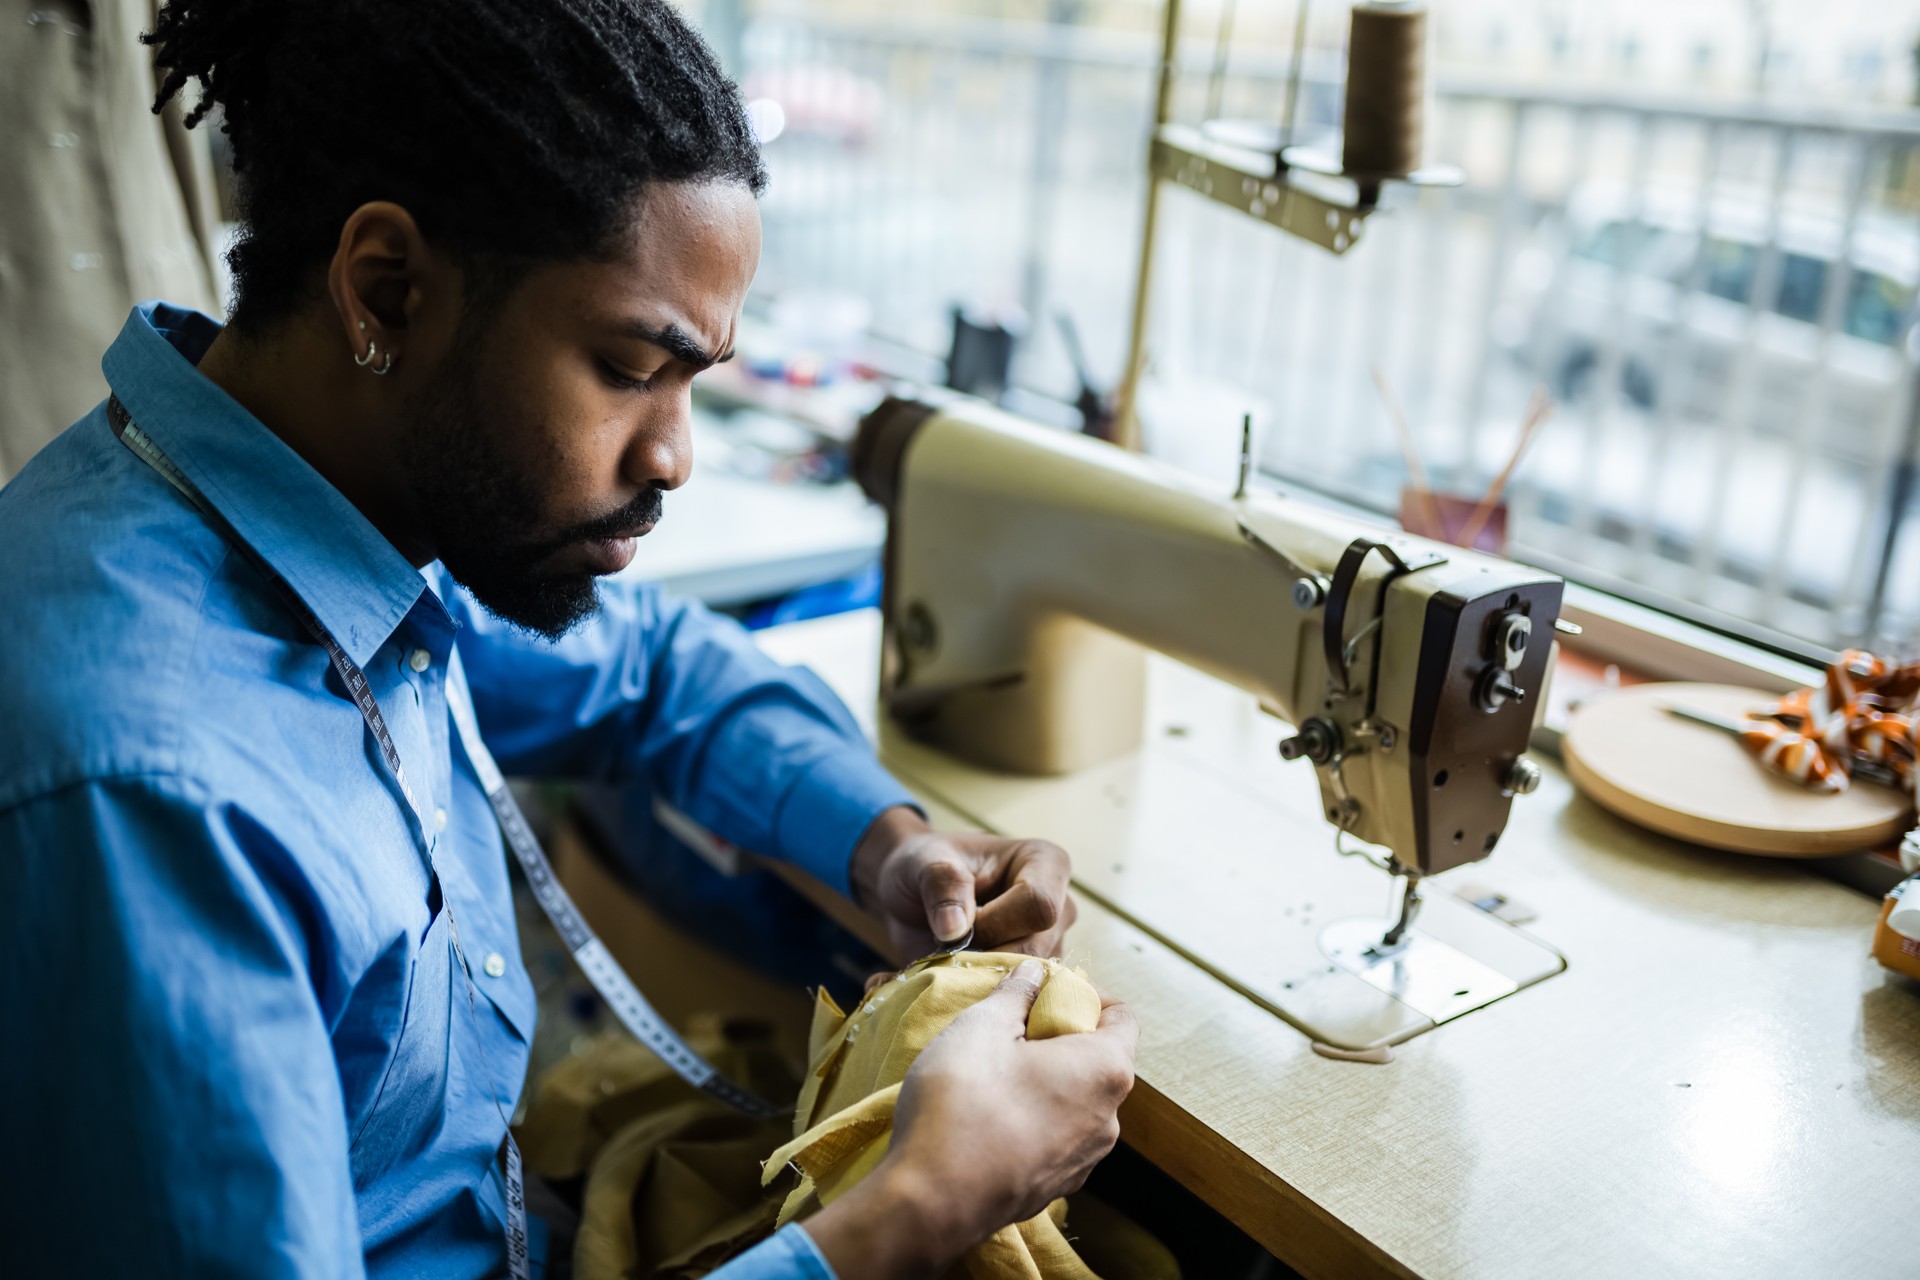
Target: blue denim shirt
{"points": [[236, 1042]]}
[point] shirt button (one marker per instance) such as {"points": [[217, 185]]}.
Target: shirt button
{"points": [[419, 659], [496, 964], [439, 819]]}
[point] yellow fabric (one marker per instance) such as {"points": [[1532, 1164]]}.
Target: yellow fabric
{"points": [[674, 1195], [670, 1181], [844, 1118], [671, 1177]]}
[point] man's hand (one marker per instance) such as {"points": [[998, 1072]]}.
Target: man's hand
{"points": [[932, 888], [990, 1129]]}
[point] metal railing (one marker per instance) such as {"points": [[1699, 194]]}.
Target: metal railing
{"points": [[1721, 296]]}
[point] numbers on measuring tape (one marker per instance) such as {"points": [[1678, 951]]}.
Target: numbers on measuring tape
{"points": [[516, 1209]]}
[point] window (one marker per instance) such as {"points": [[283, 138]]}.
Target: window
{"points": [[1002, 168], [1877, 308], [1614, 244], [1803, 284], [1730, 267]]}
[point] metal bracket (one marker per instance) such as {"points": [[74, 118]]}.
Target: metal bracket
{"points": [[1253, 183]]}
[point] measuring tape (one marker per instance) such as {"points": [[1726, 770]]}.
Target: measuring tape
{"points": [[591, 954], [595, 961]]}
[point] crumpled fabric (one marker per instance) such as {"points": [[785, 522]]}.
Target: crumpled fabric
{"points": [[844, 1119], [1865, 709], [668, 1178], [671, 1184]]}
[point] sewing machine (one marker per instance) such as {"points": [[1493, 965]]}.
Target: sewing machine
{"points": [[1029, 571]]}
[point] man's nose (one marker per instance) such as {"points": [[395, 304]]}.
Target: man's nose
{"points": [[660, 454]]}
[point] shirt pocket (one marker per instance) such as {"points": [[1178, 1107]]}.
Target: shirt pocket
{"points": [[409, 1112], [510, 993], [486, 926]]}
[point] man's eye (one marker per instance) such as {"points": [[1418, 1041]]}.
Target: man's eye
{"points": [[621, 380]]}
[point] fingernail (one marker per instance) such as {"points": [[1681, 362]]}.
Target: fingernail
{"points": [[1030, 971], [949, 923]]}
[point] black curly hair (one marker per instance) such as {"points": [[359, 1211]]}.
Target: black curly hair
{"points": [[513, 131]]}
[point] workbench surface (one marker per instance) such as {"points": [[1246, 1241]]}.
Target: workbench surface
{"points": [[1723, 1083]]}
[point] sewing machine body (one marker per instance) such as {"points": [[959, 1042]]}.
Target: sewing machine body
{"points": [[1030, 571]]}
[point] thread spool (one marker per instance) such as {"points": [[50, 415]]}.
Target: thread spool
{"points": [[1903, 915], [1386, 88]]}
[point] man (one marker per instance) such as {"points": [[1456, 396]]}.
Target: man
{"points": [[487, 244]]}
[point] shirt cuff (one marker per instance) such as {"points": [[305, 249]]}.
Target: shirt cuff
{"points": [[814, 1265], [789, 1254], [830, 808]]}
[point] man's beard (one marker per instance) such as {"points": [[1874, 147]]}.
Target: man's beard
{"points": [[484, 516]]}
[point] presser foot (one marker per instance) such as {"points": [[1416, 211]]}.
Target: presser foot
{"points": [[1432, 979]]}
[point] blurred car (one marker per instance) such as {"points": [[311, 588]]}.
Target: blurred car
{"points": [[1602, 294]]}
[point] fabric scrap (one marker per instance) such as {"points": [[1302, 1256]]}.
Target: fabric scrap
{"points": [[844, 1119], [1865, 711]]}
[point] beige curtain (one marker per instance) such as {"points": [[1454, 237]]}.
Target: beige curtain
{"points": [[104, 204]]}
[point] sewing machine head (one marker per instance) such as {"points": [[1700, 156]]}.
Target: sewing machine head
{"points": [[1027, 568]]}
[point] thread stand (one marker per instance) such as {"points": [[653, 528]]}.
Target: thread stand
{"points": [[1256, 184], [1301, 190], [1367, 183]]}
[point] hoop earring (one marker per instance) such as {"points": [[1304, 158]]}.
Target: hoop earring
{"points": [[366, 361]]}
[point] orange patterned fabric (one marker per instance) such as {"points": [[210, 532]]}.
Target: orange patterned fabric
{"points": [[1866, 709]]}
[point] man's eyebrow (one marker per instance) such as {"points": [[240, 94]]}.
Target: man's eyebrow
{"points": [[675, 341]]}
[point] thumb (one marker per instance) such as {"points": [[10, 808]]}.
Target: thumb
{"points": [[946, 894], [1013, 999]]}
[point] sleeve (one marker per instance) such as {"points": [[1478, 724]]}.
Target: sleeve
{"points": [[789, 1255], [659, 689], [168, 1099]]}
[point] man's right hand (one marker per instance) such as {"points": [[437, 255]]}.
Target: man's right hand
{"points": [[991, 1128]]}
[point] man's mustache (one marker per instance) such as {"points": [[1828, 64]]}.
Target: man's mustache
{"points": [[640, 514]]}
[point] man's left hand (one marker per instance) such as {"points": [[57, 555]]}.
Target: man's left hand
{"points": [[931, 888]]}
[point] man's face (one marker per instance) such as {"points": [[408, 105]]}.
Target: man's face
{"points": [[539, 450]]}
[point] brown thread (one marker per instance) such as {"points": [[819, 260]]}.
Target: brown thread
{"points": [[1386, 89]]}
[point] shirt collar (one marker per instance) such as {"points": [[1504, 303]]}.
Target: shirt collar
{"points": [[354, 580]]}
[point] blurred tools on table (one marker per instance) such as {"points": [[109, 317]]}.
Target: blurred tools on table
{"points": [[980, 357], [1095, 406]]}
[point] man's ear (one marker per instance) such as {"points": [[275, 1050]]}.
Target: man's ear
{"points": [[380, 278]]}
